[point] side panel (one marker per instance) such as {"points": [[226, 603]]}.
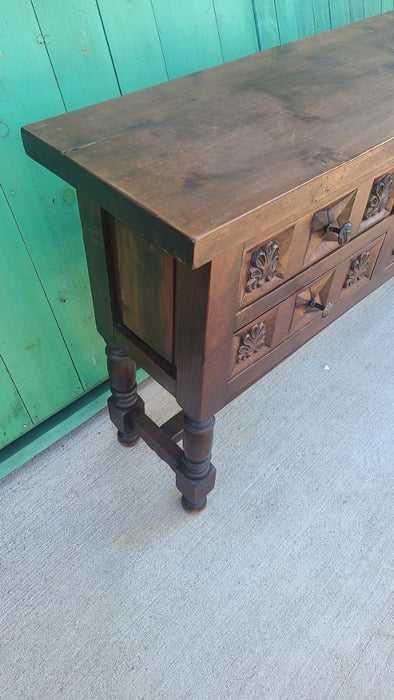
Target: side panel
{"points": [[102, 256], [146, 288]]}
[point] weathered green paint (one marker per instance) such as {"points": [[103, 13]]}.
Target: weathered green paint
{"points": [[134, 43], [266, 23], [32, 346], [55, 57], [322, 17], [286, 12], [305, 18], [189, 35], [340, 13], [237, 31], [56, 427], [14, 419], [77, 47], [45, 211], [356, 8]]}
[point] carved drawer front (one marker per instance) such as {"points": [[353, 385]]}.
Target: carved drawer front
{"points": [[256, 339], [266, 266], [380, 203], [358, 270], [312, 303], [279, 257], [282, 256], [386, 256], [264, 342]]}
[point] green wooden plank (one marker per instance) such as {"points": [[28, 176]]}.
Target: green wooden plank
{"points": [[76, 43], [189, 35], [30, 341], [287, 20], [44, 435], [356, 8], [372, 7], [266, 23], [134, 43], [237, 31], [305, 18], [340, 13], [14, 419], [387, 5], [43, 205], [321, 12]]}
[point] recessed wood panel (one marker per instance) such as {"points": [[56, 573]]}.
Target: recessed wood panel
{"points": [[266, 266], [359, 269], [380, 202], [145, 290], [386, 257], [255, 340]]}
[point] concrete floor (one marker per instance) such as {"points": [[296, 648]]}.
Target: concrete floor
{"points": [[282, 588]]}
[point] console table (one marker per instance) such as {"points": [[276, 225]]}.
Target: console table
{"points": [[229, 216]]}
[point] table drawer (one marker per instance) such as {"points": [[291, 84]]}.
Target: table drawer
{"points": [[308, 310], [277, 258]]}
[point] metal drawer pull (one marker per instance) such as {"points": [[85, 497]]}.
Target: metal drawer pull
{"points": [[325, 309], [343, 233]]}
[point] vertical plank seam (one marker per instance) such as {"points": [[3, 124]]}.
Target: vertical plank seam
{"points": [[109, 48], [49, 56], [277, 22], [256, 25], [313, 15], [41, 285], [159, 38], [329, 13], [16, 389], [218, 30]]}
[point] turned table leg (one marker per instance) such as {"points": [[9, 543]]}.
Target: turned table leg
{"points": [[196, 475], [124, 397]]}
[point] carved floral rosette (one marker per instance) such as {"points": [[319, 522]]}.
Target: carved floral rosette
{"points": [[252, 341], [263, 266], [380, 193], [358, 269]]}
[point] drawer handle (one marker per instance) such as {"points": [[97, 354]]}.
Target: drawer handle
{"points": [[343, 233], [324, 308]]}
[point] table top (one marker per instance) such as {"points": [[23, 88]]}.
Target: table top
{"points": [[204, 150]]}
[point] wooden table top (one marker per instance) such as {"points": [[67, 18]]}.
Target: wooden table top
{"points": [[201, 151]]}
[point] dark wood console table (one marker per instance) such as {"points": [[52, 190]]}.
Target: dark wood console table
{"points": [[228, 217]]}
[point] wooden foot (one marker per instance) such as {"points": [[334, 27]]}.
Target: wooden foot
{"points": [[124, 397], [195, 476], [193, 507]]}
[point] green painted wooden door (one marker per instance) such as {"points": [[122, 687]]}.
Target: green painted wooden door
{"points": [[57, 56]]}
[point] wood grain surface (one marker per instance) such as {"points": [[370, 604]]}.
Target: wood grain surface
{"points": [[202, 151]]}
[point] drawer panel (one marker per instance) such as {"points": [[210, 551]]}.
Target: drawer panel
{"points": [[380, 202], [308, 310], [357, 271], [277, 258], [257, 339], [386, 256], [385, 227]]}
